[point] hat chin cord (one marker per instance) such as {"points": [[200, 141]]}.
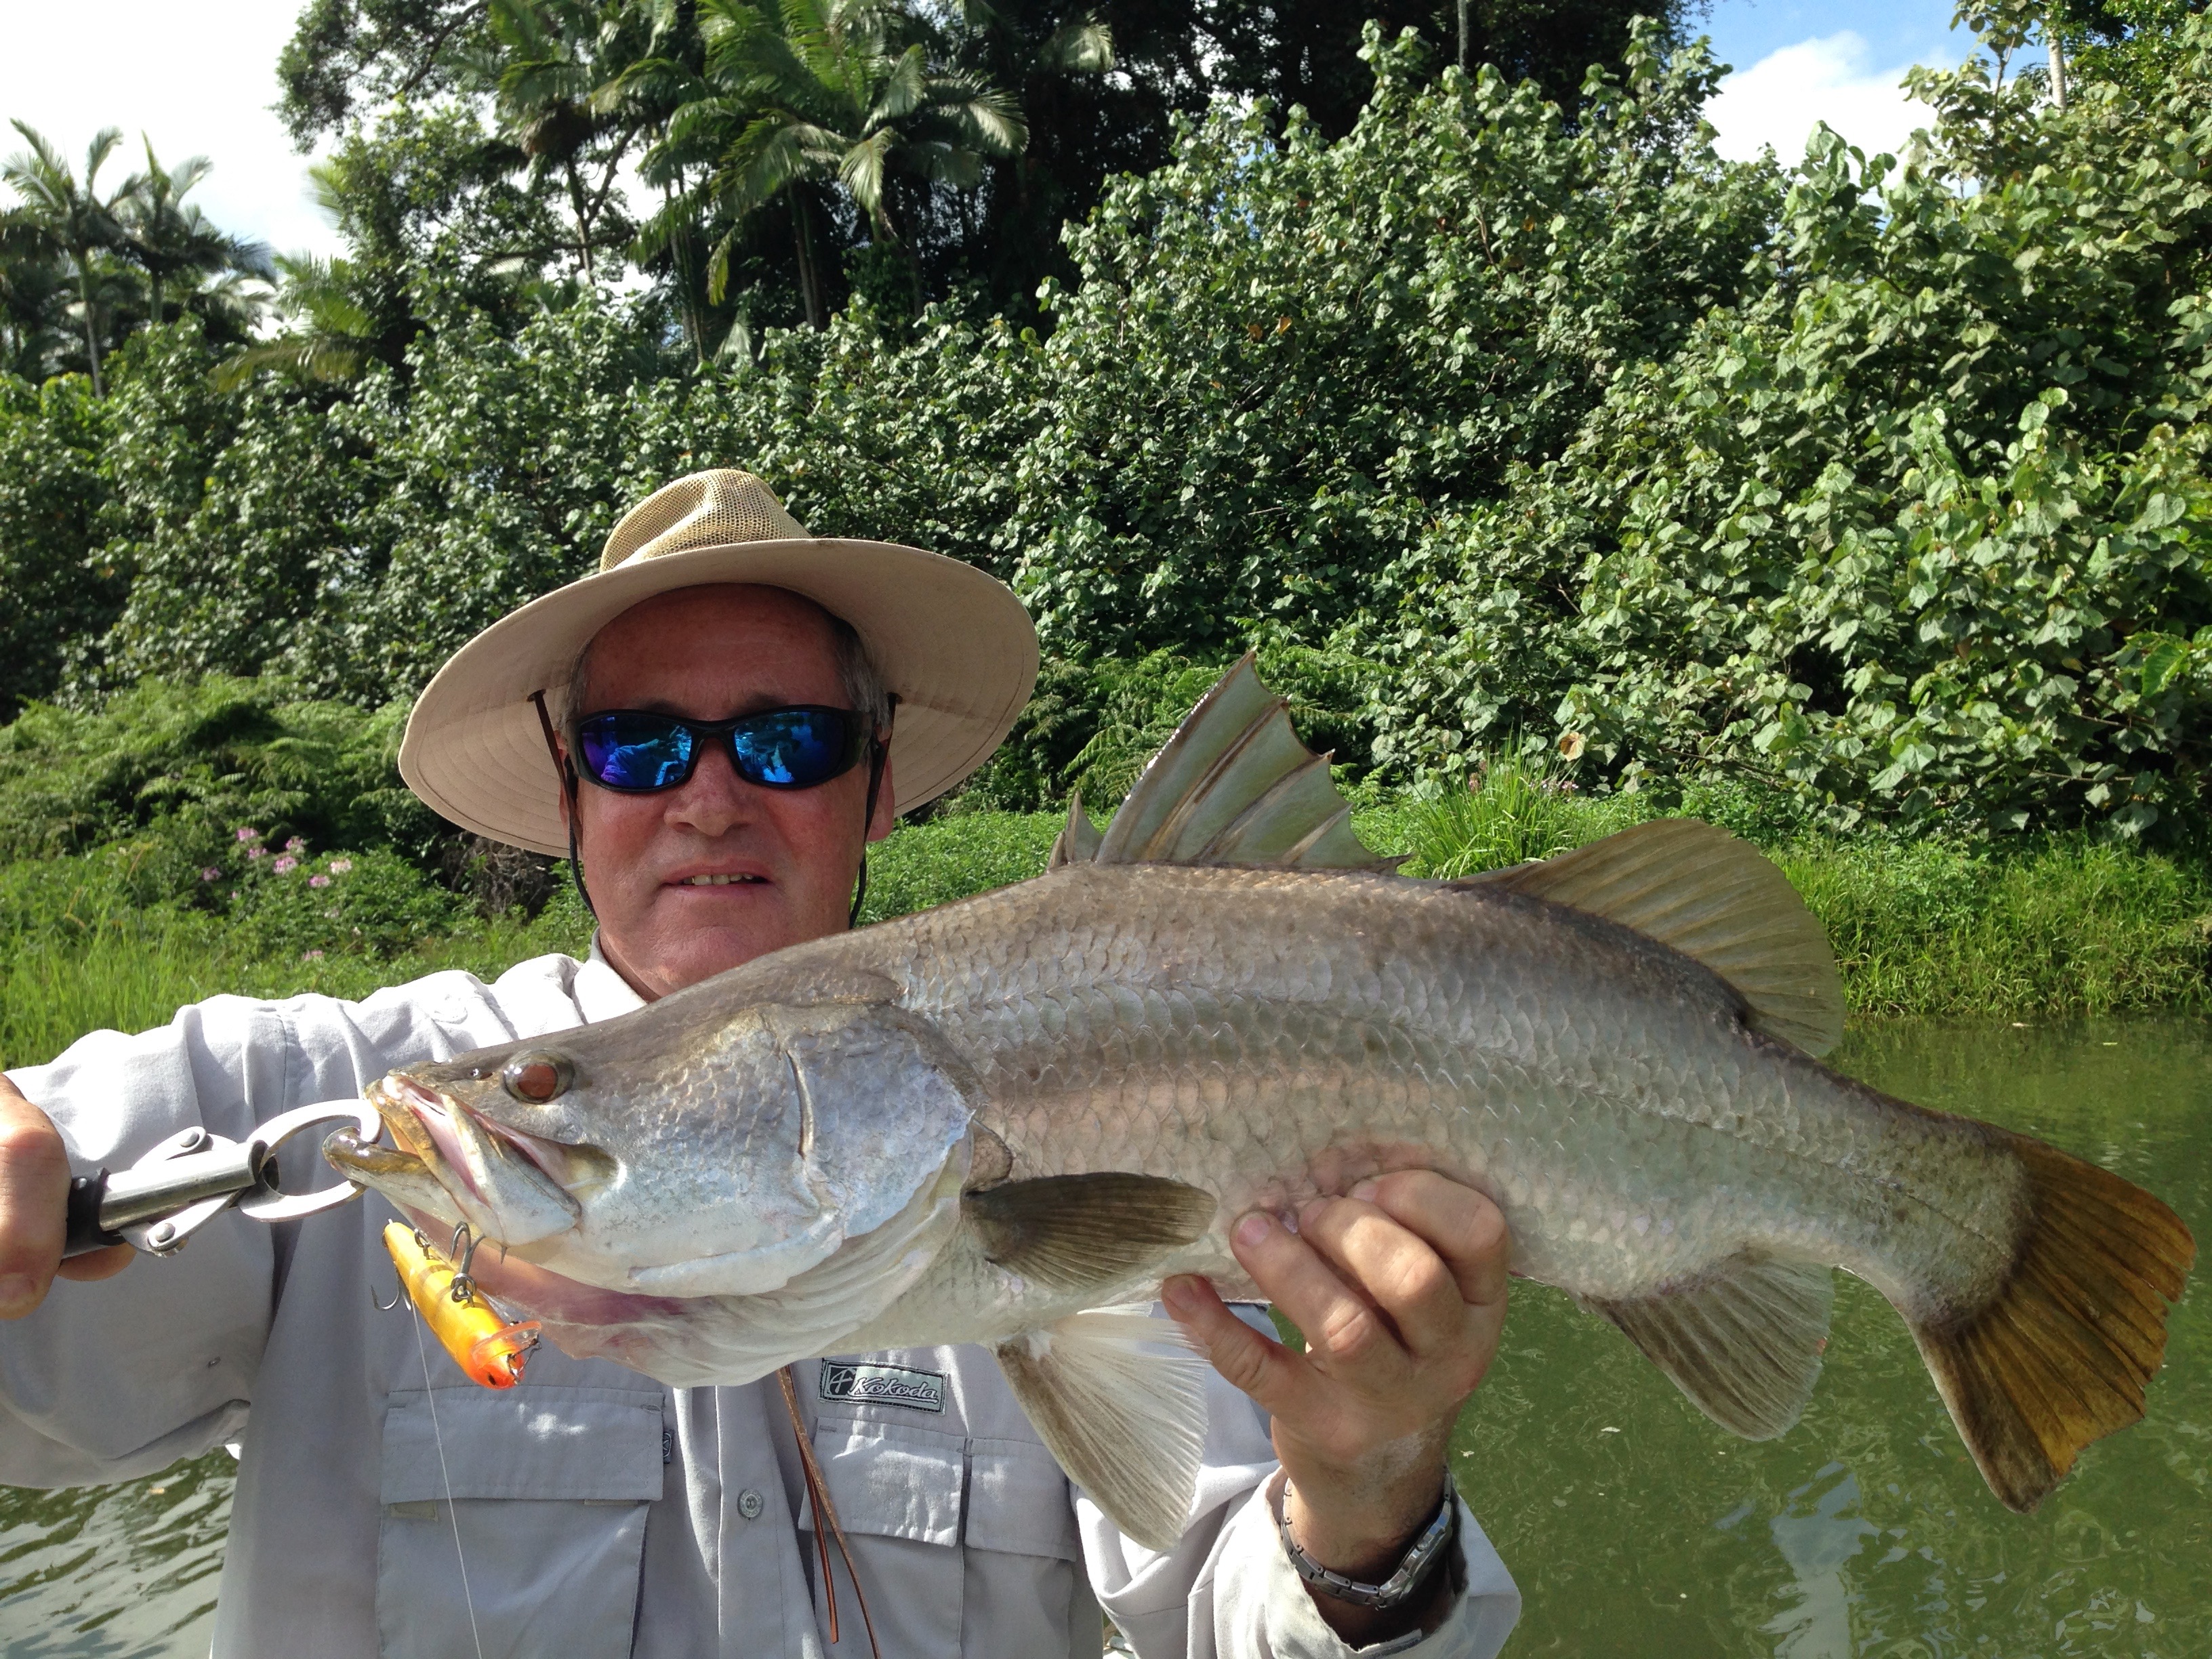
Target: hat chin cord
{"points": [[879, 751], [567, 768]]}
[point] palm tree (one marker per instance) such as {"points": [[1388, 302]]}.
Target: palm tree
{"points": [[548, 59], [35, 298], [821, 92], [168, 239], [331, 334], [73, 220]]}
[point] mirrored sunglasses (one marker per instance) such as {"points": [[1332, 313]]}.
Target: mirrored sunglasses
{"points": [[796, 748]]}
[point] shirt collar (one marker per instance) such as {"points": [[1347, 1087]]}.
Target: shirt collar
{"points": [[601, 991]]}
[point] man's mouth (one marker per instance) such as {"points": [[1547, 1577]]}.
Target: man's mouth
{"points": [[717, 880]]}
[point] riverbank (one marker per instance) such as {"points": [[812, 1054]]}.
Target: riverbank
{"points": [[2057, 929]]}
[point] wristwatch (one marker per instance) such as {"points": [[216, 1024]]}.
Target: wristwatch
{"points": [[1413, 1567]]}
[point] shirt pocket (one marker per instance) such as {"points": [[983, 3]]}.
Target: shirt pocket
{"points": [[549, 1488], [1019, 1501], [899, 1493]]}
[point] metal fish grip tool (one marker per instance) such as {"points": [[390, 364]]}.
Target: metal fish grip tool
{"points": [[185, 1182]]}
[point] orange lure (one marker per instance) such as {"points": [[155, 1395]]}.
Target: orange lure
{"points": [[482, 1342]]}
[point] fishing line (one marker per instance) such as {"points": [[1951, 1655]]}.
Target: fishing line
{"points": [[446, 1474]]}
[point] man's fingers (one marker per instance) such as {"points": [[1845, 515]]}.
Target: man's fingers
{"points": [[97, 1264], [1342, 1329], [1274, 1376], [1408, 1280], [34, 1179], [1459, 1224]]}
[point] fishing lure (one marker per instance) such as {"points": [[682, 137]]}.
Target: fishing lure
{"points": [[484, 1343]]}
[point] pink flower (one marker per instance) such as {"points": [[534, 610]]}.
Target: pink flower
{"points": [[319, 881], [210, 874], [247, 832], [295, 845], [311, 956], [339, 866], [257, 852], [285, 865]]}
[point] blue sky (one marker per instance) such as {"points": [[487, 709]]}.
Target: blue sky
{"points": [[1798, 63], [200, 89]]}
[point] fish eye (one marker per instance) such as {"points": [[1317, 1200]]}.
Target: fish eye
{"points": [[536, 1077]]}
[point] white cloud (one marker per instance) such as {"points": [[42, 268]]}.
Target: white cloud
{"points": [[197, 79], [1777, 99]]}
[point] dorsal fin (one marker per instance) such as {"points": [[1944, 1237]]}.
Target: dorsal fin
{"points": [[1699, 890], [1233, 785]]}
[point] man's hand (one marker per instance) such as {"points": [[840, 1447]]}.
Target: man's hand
{"points": [[1400, 1289], [34, 1178]]}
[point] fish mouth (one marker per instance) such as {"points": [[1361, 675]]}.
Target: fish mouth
{"points": [[509, 1185], [425, 1125]]}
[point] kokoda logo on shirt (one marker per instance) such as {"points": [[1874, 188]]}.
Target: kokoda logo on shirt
{"points": [[881, 1385]]}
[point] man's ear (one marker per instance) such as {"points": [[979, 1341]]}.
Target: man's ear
{"points": [[886, 817]]}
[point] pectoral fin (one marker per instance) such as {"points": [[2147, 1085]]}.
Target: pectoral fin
{"points": [[1120, 1399], [1744, 1344], [1085, 1232]]}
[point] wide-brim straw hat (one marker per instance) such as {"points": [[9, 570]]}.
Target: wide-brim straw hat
{"points": [[951, 642]]}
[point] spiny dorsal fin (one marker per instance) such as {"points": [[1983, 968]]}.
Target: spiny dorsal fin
{"points": [[1699, 890], [1744, 1344], [1119, 1400], [1233, 785], [1079, 840]]}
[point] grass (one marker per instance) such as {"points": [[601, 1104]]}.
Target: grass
{"points": [[2056, 929]]}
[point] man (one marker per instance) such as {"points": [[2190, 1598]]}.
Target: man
{"points": [[384, 1504]]}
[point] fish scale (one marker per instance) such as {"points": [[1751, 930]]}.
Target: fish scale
{"points": [[990, 1121]]}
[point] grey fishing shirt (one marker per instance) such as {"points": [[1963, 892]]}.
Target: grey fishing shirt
{"points": [[598, 1513]]}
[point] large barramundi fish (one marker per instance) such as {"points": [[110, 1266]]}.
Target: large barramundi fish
{"points": [[1005, 1120]]}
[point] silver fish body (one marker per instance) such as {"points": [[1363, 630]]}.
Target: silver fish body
{"points": [[988, 1121]]}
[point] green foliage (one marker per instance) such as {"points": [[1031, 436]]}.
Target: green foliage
{"points": [[1884, 533], [921, 866], [178, 769], [61, 585], [1480, 422], [2062, 929], [1515, 809]]}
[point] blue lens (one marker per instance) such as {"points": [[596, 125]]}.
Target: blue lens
{"points": [[778, 749], [791, 747], [636, 751]]}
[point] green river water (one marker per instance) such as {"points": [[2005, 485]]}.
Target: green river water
{"points": [[1633, 1526]]}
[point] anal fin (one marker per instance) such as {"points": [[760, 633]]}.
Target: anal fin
{"points": [[1120, 1399], [1744, 1343]]}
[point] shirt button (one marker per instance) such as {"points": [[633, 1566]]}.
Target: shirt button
{"points": [[751, 1504]]}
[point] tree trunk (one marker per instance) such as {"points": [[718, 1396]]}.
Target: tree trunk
{"points": [[2057, 66], [160, 306], [1467, 37], [583, 218], [91, 326], [809, 287]]}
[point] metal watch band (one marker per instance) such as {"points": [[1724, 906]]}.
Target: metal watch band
{"points": [[1413, 1567]]}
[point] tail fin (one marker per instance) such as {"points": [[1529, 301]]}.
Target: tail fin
{"points": [[2060, 1356]]}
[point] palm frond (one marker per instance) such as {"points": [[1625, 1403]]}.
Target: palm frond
{"points": [[904, 90], [1081, 45], [860, 170]]}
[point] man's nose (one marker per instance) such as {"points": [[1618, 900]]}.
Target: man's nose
{"points": [[714, 799]]}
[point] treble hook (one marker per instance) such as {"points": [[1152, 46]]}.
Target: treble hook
{"points": [[463, 1286]]}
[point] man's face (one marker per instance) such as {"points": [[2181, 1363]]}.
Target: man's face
{"points": [[714, 654]]}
